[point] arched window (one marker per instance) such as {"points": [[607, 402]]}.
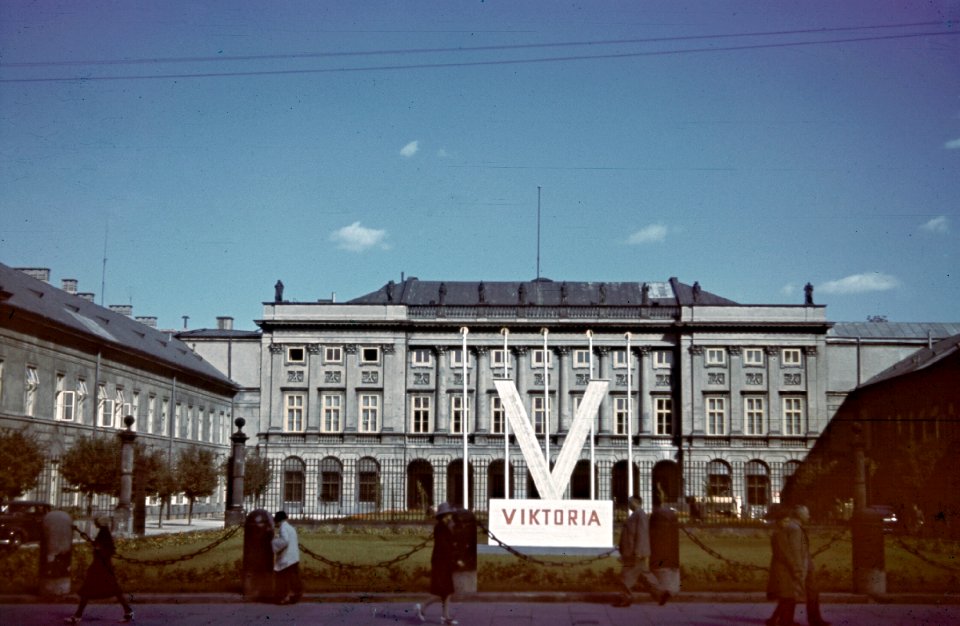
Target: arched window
{"points": [[455, 483], [293, 482], [666, 483], [495, 480], [368, 480], [419, 484], [758, 483], [331, 480], [619, 484], [580, 480]]}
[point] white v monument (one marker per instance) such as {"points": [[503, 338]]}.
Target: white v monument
{"points": [[552, 521]]}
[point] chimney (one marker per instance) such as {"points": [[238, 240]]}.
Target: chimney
{"points": [[69, 285], [89, 296], [147, 320], [224, 323], [122, 309], [40, 273]]}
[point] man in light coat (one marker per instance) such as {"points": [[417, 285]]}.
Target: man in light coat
{"points": [[286, 560], [635, 556]]}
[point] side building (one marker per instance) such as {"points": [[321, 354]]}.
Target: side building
{"points": [[69, 367]]}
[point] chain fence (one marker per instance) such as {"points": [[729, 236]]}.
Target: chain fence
{"points": [[915, 552], [227, 534], [385, 564]]}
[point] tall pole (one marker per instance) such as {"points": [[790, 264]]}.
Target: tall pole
{"points": [[546, 399], [506, 423], [629, 422], [593, 419], [538, 249], [463, 420]]}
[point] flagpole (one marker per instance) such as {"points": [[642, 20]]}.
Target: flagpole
{"points": [[463, 420], [506, 423], [629, 421], [546, 398], [593, 419]]}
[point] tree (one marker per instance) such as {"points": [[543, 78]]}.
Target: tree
{"points": [[196, 474], [256, 477], [164, 485], [92, 465], [21, 462]]}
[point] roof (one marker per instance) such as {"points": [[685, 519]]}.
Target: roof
{"points": [[919, 360], [894, 330], [218, 333], [20, 292], [539, 292]]}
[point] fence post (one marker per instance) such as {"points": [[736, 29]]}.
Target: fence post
{"points": [[234, 513], [258, 556], [123, 516], [665, 548], [56, 552], [465, 570]]}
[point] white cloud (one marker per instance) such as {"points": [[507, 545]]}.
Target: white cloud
{"points": [[410, 149], [649, 234], [937, 225], [861, 283], [357, 238], [953, 144], [789, 289]]}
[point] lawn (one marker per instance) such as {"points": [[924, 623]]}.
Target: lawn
{"points": [[377, 559]]}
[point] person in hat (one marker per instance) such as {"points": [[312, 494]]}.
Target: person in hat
{"points": [[635, 556], [442, 563], [101, 580], [286, 561]]}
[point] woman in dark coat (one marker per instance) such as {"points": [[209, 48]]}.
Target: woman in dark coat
{"points": [[442, 563], [789, 561], [101, 580]]}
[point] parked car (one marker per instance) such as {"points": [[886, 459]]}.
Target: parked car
{"points": [[21, 521], [890, 521]]}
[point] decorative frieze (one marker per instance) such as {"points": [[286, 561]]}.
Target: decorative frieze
{"points": [[583, 379], [662, 380], [294, 376], [716, 378], [695, 350], [621, 380], [369, 377], [754, 378], [421, 378], [332, 377], [792, 379], [276, 348]]}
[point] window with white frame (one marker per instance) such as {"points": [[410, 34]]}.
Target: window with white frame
{"points": [[497, 415], [151, 425], [791, 357], [1, 379], [369, 413], [621, 409], [164, 417], [421, 357], [104, 407], [81, 398], [793, 414], [581, 358], [332, 354], [753, 357], [662, 359], [716, 415], [421, 413], [332, 406], [296, 354], [716, 356], [456, 357], [537, 358], [186, 422], [459, 415], [370, 355], [754, 415], [663, 415], [135, 410], [31, 384], [539, 414], [65, 401], [499, 358], [120, 408], [177, 420], [619, 358], [293, 403]]}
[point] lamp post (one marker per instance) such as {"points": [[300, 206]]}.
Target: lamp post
{"points": [[124, 512]]}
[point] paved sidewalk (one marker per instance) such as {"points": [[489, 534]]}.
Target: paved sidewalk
{"points": [[385, 613]]}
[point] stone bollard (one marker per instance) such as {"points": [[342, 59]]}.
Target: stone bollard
{"points": [[869, 561], [665, 548], [56, 552], [465, 537], [258, 556]]}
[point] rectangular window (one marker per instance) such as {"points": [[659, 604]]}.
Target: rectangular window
{"points": [[420, 414], [81, 398], [293, 407], [421, 357], [663, 414], [793, 415], [31, 384], [791, 357], [333, 354], [120, 408], [332, 407], [135, 410], [456, 358], [716, 356], [619, 358], [296, 355], [716, 415], [65, 401], [663, 359], [369, 413], [621, 408], [537, 358], [753, 357], [539, 414], [497, 415], [754, 415], [164, 417], [104, 407], [458, 415], [581, 358], [498, 358], [370, 354]]}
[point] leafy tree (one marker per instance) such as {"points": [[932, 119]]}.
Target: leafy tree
{"points": [[21, 461], [256, 477], [164, 484], [92, 466], [196, 475]]}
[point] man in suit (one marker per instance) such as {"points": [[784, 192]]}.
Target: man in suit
{"points": [[635, 556]]}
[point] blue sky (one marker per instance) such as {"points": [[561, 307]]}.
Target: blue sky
{"points": [[213, 148]]}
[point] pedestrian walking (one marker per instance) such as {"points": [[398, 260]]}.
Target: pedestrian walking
{"points": [[101, 580], [802, 515], [286, 561], [443, 563], [789, 561], [634, 549]]}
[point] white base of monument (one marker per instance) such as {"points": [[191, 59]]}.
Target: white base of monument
{"points": [[553, 523]]}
